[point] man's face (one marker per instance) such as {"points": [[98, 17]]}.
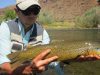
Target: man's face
{"points": [[28, 16]]}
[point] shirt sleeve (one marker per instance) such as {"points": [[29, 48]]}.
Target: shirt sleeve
{"points": [[5, 43], [46, 39]]}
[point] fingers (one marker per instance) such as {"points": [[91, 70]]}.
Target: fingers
{"points": [[97, 57], [41, 69], [80, 58], [93, 57], [42, 55], [88, 58], [39, 63], [47, 61]]}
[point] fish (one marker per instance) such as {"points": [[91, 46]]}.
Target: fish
{"points": [[66, 44], [58, 48]]}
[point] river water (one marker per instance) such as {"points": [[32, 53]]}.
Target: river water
{"points": [[71, 36]]}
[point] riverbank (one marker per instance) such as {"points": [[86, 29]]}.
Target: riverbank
{"points": [[60, 25]]}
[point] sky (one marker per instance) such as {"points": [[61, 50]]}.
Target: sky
{"points": [[5, 3]]}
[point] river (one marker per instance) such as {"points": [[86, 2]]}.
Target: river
{"points": [[71, 36]]}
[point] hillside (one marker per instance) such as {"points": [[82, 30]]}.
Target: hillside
{"points": [[64, 9], [67, 9]]}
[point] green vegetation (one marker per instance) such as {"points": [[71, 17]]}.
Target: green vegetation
{"points": [[90, 19], [45, 18], [58, 25], [9, 14], [1, 18]]}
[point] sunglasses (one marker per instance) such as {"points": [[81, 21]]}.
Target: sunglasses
{"points": [[34, 9]]}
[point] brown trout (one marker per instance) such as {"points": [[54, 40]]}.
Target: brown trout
{"points": [[64, 52], [66, 44]]}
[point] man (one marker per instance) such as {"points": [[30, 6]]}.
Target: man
{"points": [[98, 1], [17, 34]]}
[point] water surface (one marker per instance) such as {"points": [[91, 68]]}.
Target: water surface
{"points": [[75, 38]]}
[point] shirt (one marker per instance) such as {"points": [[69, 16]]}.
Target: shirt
{"points": [[5, 41]]}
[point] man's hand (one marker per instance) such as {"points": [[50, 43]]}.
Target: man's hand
{"points": [[88, 58], [38, 64]]}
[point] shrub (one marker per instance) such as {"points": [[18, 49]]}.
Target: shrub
{"points": [[45, 18], [9, 14], [1, 18], [90, 19]]}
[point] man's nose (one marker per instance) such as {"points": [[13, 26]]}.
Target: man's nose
{"points": [[32, 14]]}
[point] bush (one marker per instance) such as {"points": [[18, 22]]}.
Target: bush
{"points": [[45, 18], [9, 14], [90, 19], [1, 18]]}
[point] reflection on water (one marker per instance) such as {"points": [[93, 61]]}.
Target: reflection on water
{"points": [[76, 34], [73, 39]]}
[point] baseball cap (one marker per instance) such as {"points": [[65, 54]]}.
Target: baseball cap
{"points": [[24, 4]]}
